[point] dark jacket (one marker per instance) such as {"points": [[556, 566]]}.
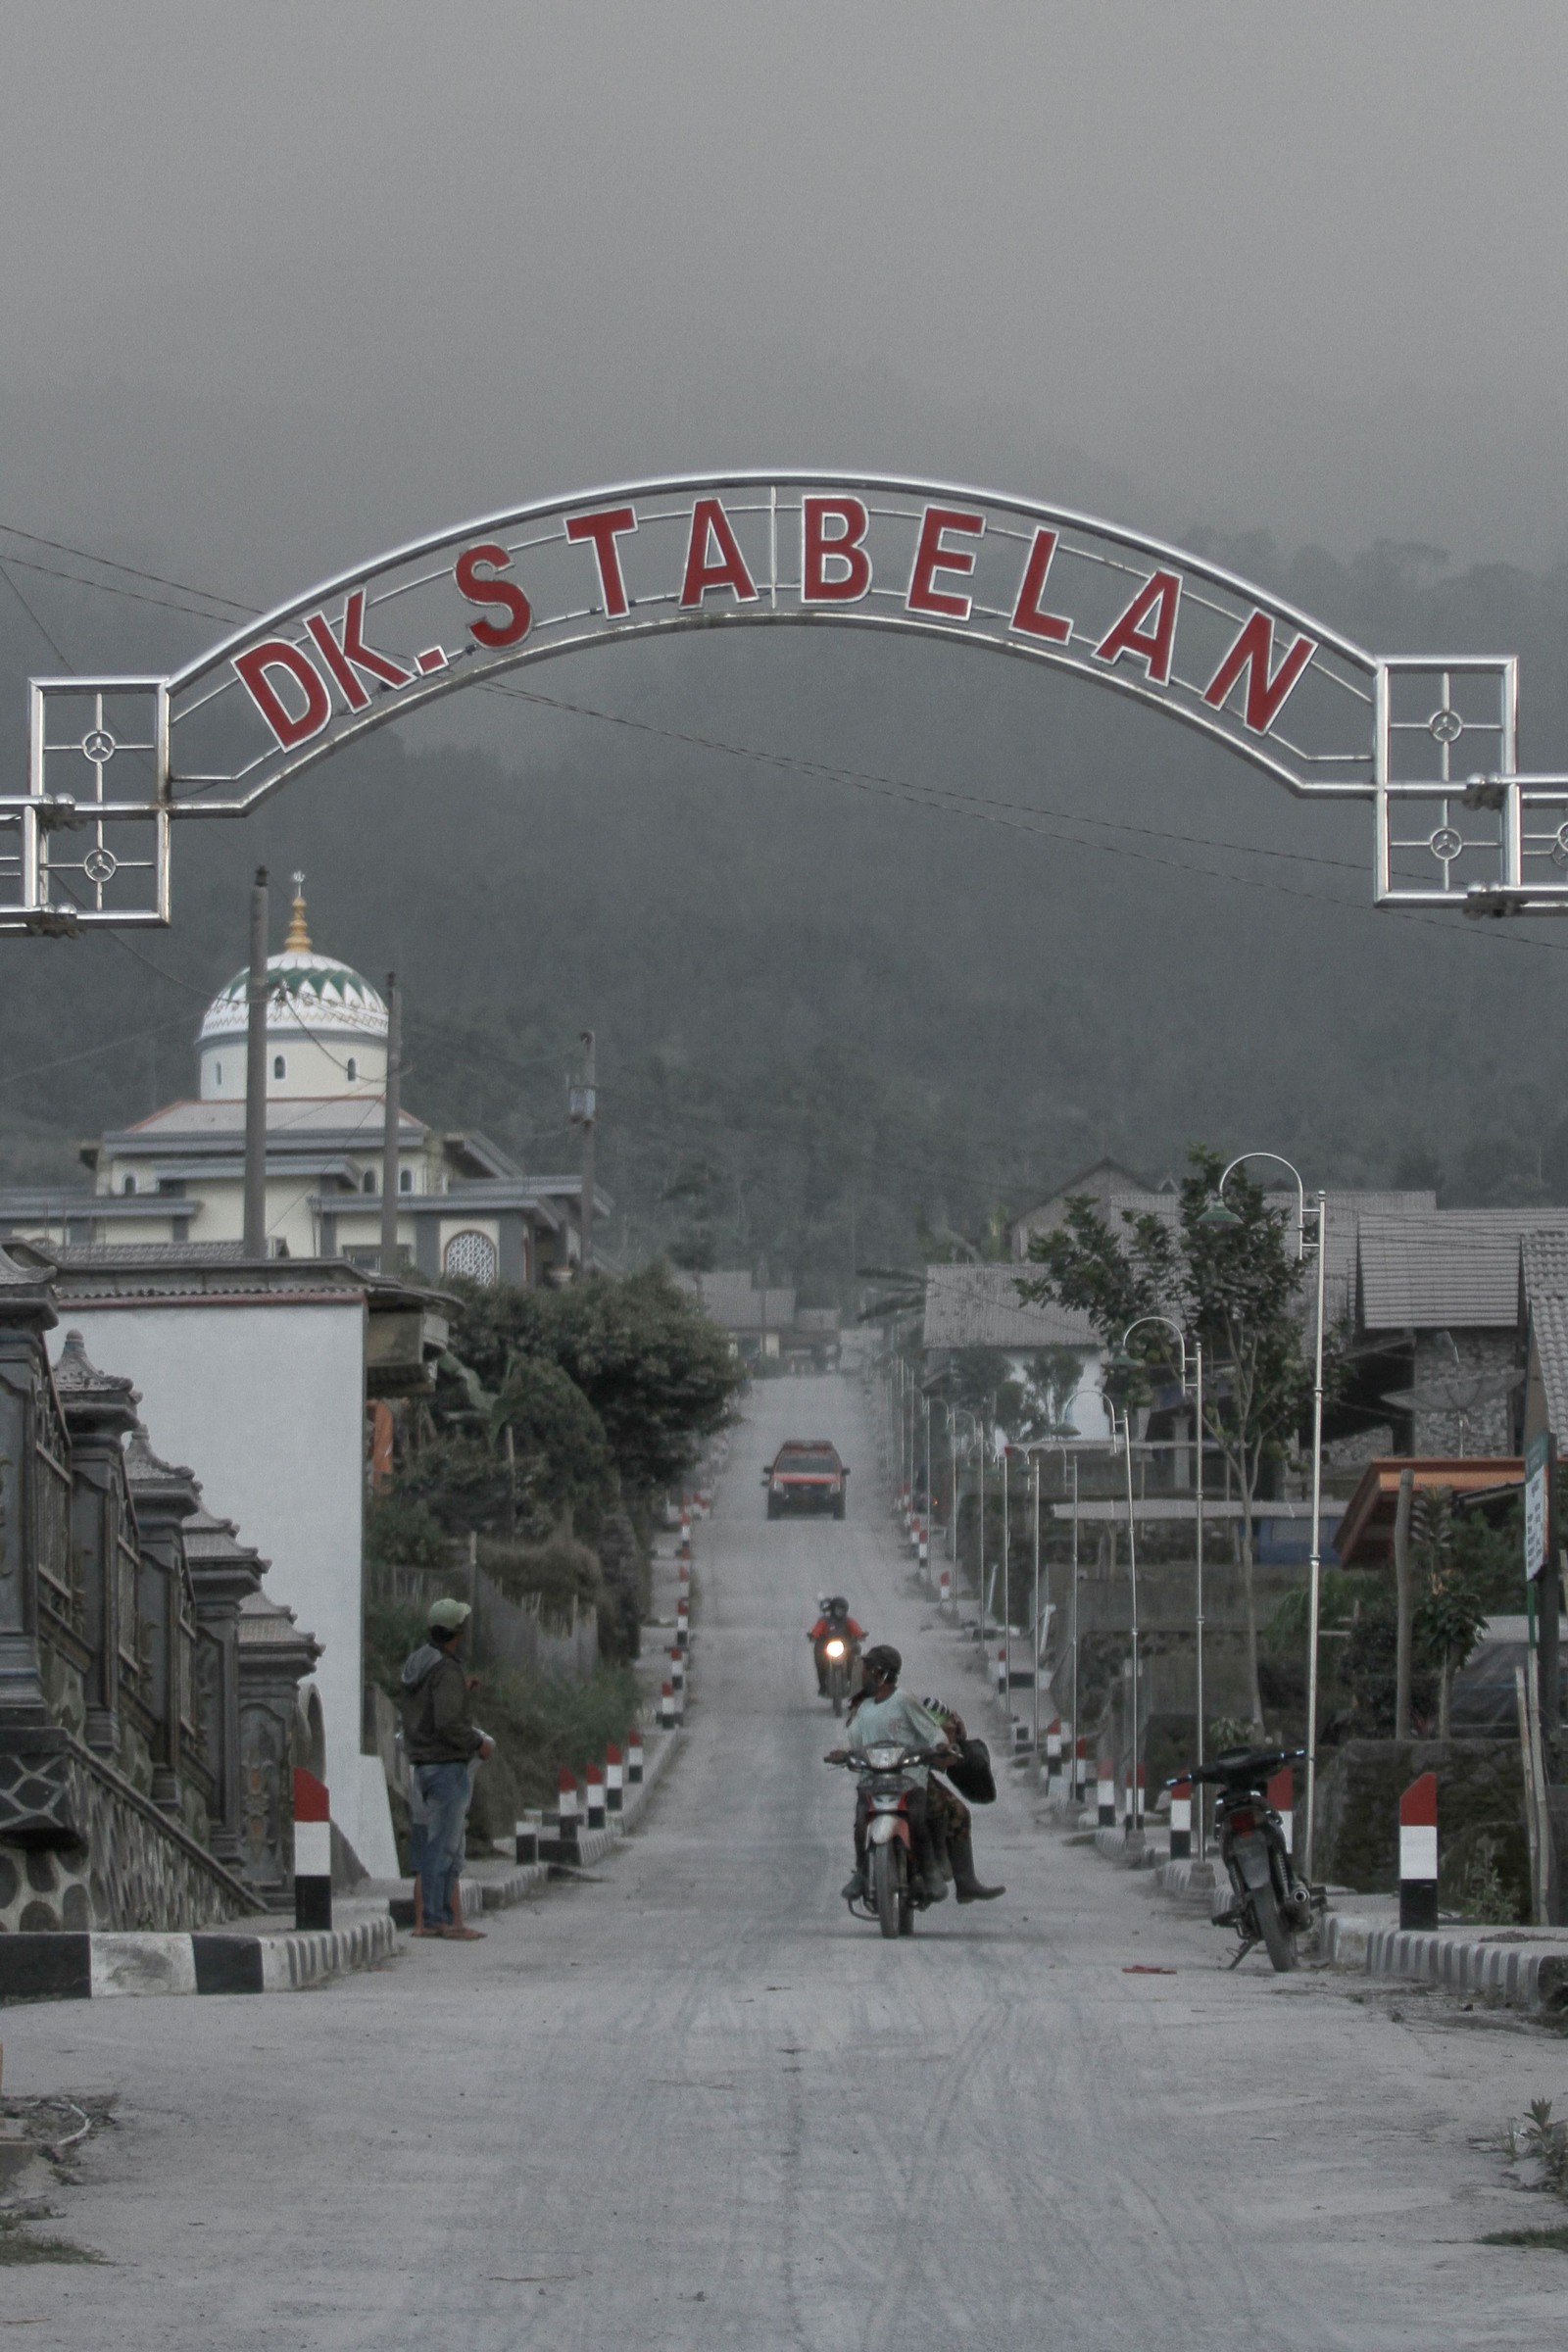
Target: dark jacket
{"points": [[436, 1726]]}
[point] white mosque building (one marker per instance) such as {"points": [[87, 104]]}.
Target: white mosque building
{"points": [[176, 1178]]}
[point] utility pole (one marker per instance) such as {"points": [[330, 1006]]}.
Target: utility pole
{"points": [[390, 1135], [255, 1225], [583, 1109]]}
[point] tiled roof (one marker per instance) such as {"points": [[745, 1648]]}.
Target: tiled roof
{"points": [[1455, 1269], [978, 1307], [306, 1114]]}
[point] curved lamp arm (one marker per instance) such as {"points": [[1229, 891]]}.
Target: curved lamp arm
{"points": [[1280, 1160]]}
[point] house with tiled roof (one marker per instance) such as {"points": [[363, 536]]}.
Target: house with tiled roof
{"points": [[977, 1305], [1436, 1323]]}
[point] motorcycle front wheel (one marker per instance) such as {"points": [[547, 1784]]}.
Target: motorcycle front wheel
{"points": [[835, 1684], [887, 1885], [1276, 1934]]}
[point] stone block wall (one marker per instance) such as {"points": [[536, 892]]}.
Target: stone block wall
{"points": [[1480, 1812], [130, 1868], [1489, 1358]]}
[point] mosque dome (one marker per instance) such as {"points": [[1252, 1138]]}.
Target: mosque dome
{"points": [[305, 991], [326, 1026]]}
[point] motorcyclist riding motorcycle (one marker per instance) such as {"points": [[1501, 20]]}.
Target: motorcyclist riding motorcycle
{"points": [[835, 1624], [883, 1714]]}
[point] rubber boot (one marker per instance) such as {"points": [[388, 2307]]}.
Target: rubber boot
{"points": [[932, 1885], [960, 1846]]}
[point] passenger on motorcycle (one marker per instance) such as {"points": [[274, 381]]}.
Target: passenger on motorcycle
{"points": [[949, 1818], [835, 1624], [883, 1714]]}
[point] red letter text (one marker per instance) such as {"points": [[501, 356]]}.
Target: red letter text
{"points": [[1266, 693], [1027, 614], [819, 549], [931, 557], [251, 668], [482, 588], [711, 525], [1150, 645], [604, 531], [346, 656]]}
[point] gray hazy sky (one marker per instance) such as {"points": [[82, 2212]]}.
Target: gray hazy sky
{"points": [[284, 283]]}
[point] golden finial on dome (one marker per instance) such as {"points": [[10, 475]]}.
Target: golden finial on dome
{"points": [[298, 941]]}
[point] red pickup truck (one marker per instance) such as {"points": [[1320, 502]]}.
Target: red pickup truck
{"points": [[805, 1475]]}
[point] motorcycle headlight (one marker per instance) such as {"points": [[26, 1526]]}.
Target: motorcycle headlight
{"points": [[835, 1649], [884, 1760]]}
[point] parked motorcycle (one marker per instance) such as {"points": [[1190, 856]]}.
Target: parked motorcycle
{"points": [[889, 1784], [1271, 1904]]}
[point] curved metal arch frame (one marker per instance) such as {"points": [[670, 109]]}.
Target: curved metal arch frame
{"points": [[1404, 759]]}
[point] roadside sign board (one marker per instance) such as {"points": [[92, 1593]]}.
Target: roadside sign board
{"points": [[1538, 1454]]}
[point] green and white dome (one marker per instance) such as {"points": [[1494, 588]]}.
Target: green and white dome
{"points": [[326, 1026]]}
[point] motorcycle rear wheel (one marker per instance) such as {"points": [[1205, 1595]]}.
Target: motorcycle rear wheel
{"points": [[1275, 1934], [887, 1886]]}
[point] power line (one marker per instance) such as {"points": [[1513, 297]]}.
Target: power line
{"points": [[37, 622], [137, 595], [62, 1062], [159, 579]]}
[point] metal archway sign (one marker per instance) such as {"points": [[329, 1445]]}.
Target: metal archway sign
{"points": [[1430, 741]]}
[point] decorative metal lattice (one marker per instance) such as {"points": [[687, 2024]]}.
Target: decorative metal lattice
{"points": [[472, 1256]]}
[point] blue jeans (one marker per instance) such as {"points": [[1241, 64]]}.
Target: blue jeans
{"points": [[445, 1788]]}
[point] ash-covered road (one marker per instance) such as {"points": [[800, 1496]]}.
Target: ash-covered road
{"points": [[693, 2105]]}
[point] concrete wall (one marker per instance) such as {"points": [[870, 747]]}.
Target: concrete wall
{"points": [[1481, 1802], [266, 1402]]}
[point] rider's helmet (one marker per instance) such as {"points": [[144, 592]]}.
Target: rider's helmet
{"points": [[882, 1663], [838, 1606]]}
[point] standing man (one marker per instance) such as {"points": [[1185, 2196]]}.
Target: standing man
{"points": [[442, 1743]]}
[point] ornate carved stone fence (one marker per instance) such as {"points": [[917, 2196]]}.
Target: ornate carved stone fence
{"points": [[147, 1687]]}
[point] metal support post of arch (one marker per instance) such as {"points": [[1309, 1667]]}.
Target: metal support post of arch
{"points": [[115, 762]]}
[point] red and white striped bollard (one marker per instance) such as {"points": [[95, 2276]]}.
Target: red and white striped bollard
{"points": [[1418, 1853], [313, 1851]]}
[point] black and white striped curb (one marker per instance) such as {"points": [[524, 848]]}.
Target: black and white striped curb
{"points": [[1524, 1971], [94, 1967], [500, 1892]]}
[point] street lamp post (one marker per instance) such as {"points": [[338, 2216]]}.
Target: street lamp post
{"points": [[1006, 1587], [1059, 1441], [1314, 1599], [1197, 1385], [1134, 1825], [1035, 1634], [954, 1413]]}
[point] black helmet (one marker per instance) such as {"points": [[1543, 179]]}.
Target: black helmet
{"points": [[838, 1606], [882, 1663]]}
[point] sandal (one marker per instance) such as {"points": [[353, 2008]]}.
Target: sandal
{"points": [[461, 1934]]}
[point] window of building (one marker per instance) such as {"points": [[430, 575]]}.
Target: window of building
{"points": [[406, 1180], [472, 1255], [352, 1067], [368, 1181], [218, 1073], [279, 1066], [128, 1184]]}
